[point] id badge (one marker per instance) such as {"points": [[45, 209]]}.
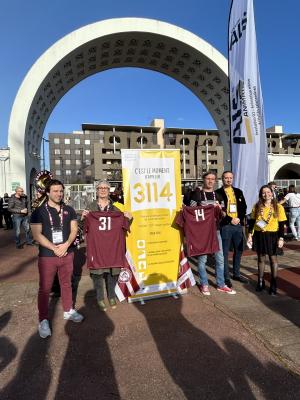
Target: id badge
{"points": [[232, 208], [261, 224], [57, 236]]}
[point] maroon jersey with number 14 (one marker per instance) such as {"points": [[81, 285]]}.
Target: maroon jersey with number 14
{"points": [[200, 230], [105, 239]]}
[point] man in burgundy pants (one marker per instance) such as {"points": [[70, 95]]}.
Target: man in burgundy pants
{"points": [[54, 227]]}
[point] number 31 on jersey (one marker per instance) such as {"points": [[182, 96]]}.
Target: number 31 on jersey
{"points": [[104, 223]]}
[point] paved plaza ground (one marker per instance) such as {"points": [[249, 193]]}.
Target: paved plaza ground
{"points": [[191, 347]]}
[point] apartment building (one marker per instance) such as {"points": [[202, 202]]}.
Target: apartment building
{"points": [[95, 152]]}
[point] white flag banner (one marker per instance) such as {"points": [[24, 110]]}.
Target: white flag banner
{"points": [[248, 136]]}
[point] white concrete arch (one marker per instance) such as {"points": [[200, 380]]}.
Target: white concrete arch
{"points": [[288, 171], [113, 43], [284, 166]]}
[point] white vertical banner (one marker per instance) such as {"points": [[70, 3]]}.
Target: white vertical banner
{"points": [[248, 135]]}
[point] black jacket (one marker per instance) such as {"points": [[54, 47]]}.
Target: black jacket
{"points": [[16, 204], [241, 204]]}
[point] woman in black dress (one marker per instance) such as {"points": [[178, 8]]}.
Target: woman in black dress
{"points": [[266, 230]]}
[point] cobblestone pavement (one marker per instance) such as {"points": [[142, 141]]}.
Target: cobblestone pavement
{"points": [[191, 347]]}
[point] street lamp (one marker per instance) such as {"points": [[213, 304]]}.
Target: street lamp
{"points": [[62, 167], [43, 143], [4, 156], [206, 151], [183, 154]]}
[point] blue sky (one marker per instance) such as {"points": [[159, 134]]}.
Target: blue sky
{"points": [[135, 96]]}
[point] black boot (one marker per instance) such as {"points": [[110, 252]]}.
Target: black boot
{"points": [[273, 287], [260, 285]]}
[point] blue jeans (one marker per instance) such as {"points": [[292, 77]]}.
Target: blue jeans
{"points": [[19, 220], [232, 233], [219, 259], [295, 217]]}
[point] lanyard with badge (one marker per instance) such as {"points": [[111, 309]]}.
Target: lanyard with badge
{"points": [[206, 202], [57, 232], [232, 206], [264, 222]]}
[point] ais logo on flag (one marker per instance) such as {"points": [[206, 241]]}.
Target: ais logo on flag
{"points": [[239, 115]]}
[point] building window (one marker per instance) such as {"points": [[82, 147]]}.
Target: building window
{"points": [[142, 140], [67, 141], [68, 172], [77, 141], [77, 152], [68, 162], [87, 141], [115, 139], [186, 142], [78, 162], [56, 140], [88, 172], [56, 151], [57, 172], [87, 162], [57, 162], [67, 151], [87, 152]]}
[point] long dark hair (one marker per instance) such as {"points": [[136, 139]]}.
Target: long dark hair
{"points": [[261, 202], [292, 189]]}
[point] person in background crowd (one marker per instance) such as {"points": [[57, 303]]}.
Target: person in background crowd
{"points": [[54, 227], [272, 185], [110, 274], [292, 198], [266, 229], [187, 191], [1, 212], [117, 195], [6, 213], [235, 208], [17, 205], [204, 197]]}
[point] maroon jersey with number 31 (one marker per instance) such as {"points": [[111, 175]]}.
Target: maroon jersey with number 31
{"points": [[200, 230], [105, 239]]}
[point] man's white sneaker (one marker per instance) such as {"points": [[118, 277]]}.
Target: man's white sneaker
{"points": [[44, 329], [73, 315], [205, 290], [226, 289]]}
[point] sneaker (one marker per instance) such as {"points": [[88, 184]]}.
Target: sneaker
{"points": [[102, 305], [226, 289], [44, 329], [204, 289], [113, 303], [73, 315]]}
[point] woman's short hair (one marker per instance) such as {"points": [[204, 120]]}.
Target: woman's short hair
{"points": [[103, 182]]}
